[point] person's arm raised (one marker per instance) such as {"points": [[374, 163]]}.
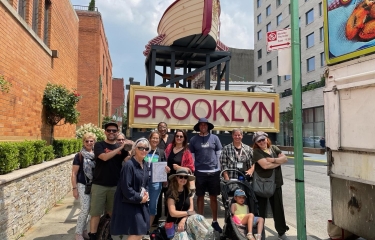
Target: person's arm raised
{"points": [[111, 154]]}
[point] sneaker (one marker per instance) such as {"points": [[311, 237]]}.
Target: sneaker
{"points": [[85, 235], [79, 237], [250, 236], [258, 236], [217, 227], [146, 237], [283, 237]]}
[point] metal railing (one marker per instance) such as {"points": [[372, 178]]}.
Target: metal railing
{"points": [[84, 8]]}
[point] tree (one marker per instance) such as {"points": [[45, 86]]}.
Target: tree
{"points": [[92, 5], [106, 120], [286, 118], [60, 104]]}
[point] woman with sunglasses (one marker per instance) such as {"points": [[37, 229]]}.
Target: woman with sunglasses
{"points": [[268, 158], [79, 179], [178, 154], [181, 214], [130, 215]]}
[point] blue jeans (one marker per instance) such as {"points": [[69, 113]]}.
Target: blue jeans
{"points": [[154, 190]]}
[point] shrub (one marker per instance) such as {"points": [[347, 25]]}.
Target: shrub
{"points": [[61, 148], [99, 132], [9, 154], [39, 151], [26, 153], [49, 153]]}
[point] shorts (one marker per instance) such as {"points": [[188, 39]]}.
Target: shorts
{"points": [[154, 190], [207, 182], [102, 199], [255, 221]]}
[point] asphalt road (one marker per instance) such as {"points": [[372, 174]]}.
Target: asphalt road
{"points": [[317, 197]]}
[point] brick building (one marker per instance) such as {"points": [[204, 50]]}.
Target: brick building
{"points": [[94, 68], [118, 99], [31, 33]]}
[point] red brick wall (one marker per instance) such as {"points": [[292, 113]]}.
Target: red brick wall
{"points": [[92, 67], [29, 67]]}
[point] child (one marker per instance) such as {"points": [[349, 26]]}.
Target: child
{"points": [[242, 216]]}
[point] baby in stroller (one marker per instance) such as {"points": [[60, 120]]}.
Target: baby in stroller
{"points": [[241, 215]]}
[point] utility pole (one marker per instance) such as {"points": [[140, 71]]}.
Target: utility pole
{"points": [[297, 121]]}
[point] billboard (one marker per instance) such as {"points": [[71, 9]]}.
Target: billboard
{"points": [[181, 108], [349, 29]]}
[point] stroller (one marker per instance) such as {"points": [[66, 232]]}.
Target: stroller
{"points": [[227, 187]]}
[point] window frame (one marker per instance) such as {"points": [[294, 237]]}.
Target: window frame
{"points": [[268, 10], [269, 66], [308, 66], [312, 44], [260, 72], [307, 14], [278, 21]]}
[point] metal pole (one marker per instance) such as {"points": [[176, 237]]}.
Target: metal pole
{"points": [[297, 122]]}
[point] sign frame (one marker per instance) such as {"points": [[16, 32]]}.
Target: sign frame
{"points": [[226, 94]]}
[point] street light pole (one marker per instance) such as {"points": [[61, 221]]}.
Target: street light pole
{"points": [[297, 121]]}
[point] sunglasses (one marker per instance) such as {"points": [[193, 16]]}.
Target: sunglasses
{"points": [[111, 130], [261, 140], [89, 141], [143, 148], [183, 177], [179, 136], [121, 139]]}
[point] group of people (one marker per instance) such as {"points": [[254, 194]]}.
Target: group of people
{"points": [[122, 185]]}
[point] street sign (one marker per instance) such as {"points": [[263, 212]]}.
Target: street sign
{"points": [[278, 39]]}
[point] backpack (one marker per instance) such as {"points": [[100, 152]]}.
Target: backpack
{"points": [[159, 233], [103, 232]]}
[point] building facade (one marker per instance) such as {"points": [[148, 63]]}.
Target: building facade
{"points": [[118, 99], [94, 68], [273, 15], [38, 44]]}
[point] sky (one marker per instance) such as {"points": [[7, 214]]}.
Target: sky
{"points": [[130, 24]]}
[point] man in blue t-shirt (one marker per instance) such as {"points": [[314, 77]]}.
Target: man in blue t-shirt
{"points": [[206, 150]]}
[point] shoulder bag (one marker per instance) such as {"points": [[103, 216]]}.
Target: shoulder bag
{"points": [[264, 187]]}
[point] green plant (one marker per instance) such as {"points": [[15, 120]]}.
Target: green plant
{"points": [[60, 104], [26, 153], [92, 5], [61, 148], [106, 120], [4, 84], [48, 153], [9, 154], [39, 151], [99, 132]]}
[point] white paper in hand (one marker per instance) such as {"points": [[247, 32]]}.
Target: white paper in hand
{"points": [[158, 172]]}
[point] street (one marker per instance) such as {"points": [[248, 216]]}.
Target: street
{"points": [[317, 197]]}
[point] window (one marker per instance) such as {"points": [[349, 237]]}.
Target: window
{"points": [[260, 54], [259, 34], [259, 70], [279, 18], [35, 15], [320, 9], [268, 10], [310, 16], [47, 7], [310, 40], [289, 9], [322, 59], [268, 27], [287, 77], [269, 81], [259, 3], [321, 34], [269, 66], [278, 2], [259, 18], [277, 61], [278, 80], [22, 8], [310, 64]]}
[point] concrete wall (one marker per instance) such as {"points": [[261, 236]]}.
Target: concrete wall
{"points": [[241, 65], [94, 64], [26, 195], [26, 62]]}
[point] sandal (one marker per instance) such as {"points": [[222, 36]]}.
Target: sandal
{"points": [[250, 236]]}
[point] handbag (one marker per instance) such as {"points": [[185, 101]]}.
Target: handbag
{"points": [[170, 229], [264, 187]]}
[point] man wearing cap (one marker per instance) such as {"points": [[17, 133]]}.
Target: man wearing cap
{"points": [[109, 156], [206, 149], [236, 155]]}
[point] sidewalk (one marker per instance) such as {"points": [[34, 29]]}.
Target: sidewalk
{"points": [[309, 156], [60, 222]]}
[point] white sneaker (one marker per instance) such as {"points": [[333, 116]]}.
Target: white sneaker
{"points": [[146, 237], [283, 237]]}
